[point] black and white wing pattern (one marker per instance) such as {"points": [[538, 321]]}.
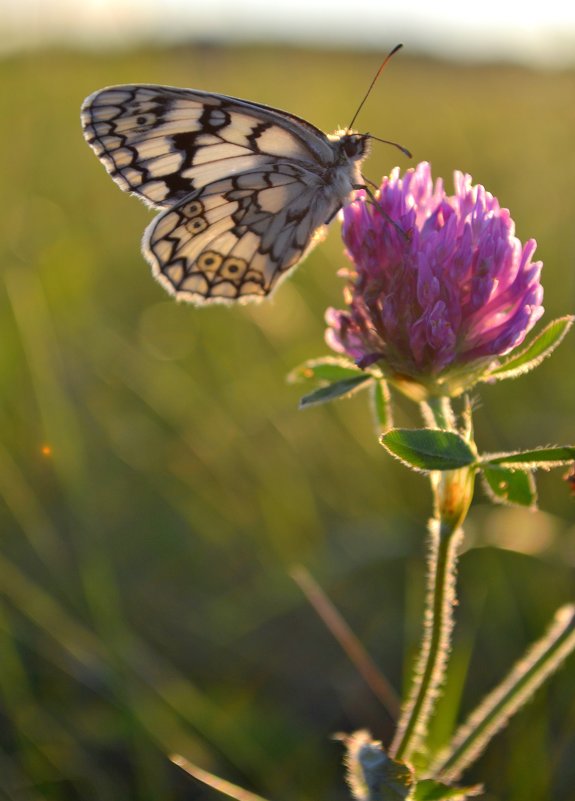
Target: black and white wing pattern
{"points": [[244, 189]]}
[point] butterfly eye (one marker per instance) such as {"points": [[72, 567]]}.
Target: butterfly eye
{"points": [[196, 225], [354, 146], [209, 261]]}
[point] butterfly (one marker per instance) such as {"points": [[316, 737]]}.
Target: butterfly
{"points": [[244, 190]]}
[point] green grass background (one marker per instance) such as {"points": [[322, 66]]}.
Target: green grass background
{"points": [[145, 601]]}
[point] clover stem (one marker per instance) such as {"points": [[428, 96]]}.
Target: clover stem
{"points": [[452, 493]]}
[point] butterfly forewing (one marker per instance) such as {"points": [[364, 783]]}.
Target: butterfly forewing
{"points": [[243, 187]]}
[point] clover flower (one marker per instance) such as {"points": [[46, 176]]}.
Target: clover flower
{"points": [[441, 286]]}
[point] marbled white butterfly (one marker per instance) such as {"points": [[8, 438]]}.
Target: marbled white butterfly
{"points": [[244, 189]]}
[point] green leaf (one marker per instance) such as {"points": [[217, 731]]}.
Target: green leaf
{"points": [[327, 368], [538, 349], [545, 458], [430, 790], [514, 487], [428, 448], [339, 389], [381, 406]]}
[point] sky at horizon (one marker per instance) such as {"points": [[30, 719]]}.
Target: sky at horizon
{"points": [[538, 34]]}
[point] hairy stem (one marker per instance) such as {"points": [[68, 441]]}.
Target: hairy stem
{"points": [[452, 492], [437, 627]]}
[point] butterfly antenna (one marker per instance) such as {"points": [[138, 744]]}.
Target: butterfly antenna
{"points": [[372, 84], [403, 149]]}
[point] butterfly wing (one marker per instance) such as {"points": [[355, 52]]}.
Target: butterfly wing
{"points": [[162, 143], [243, 187], [236, 238]]}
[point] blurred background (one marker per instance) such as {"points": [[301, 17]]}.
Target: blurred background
{"points": [[157, 480]]}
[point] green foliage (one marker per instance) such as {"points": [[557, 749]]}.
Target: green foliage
{"points": [[327, 368], [339, 378], [508, 478], [430, 790], [372, 775], [381, 406], [510, 486], [539, 348], [337, 389], [533, 459], [157, 480], [428, 449]]}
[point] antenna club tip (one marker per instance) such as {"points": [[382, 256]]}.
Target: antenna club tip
{"points": [[403, 149]]}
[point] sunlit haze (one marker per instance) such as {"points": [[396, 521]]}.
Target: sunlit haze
{"points": [[542, 34]]}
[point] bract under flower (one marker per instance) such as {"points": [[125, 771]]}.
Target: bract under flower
{"points": [[441, 285]]}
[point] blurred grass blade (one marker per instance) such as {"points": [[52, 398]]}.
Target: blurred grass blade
{"points": [[25, 506], [61, 428], [336, 624], [159, 697], [221, 785], [544, 657], [37, 756]]}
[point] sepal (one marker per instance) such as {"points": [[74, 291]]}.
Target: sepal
{"points": [[337, 389], [536, 351], [325, 368], [339, 378], [381, 405]]}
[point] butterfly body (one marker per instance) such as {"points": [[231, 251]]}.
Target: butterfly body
{"points": [[243, 189]]}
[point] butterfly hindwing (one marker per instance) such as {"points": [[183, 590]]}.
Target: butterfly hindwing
{"points": [[236, 238]]}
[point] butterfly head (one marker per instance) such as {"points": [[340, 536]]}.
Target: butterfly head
{"points": [[352, 146]]}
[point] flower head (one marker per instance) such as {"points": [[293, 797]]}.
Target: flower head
{"points": [[441, 286]]}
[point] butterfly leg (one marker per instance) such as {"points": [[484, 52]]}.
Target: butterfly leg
{"points": [[367, 189]]}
